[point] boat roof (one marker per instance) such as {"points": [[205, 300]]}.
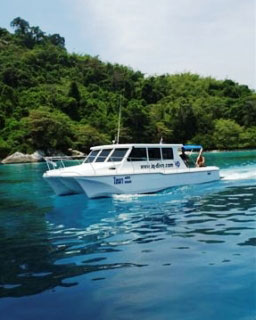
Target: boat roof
{"points": [[189, 147], [137, 145]]}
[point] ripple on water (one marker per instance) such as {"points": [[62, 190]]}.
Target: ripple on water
{"points": [[178, 244]]}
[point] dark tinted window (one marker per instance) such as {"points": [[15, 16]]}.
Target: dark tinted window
{"points": [[103, 155], [138, 154], [154, 154], [92, 155], [167, 153], [118, 155]]}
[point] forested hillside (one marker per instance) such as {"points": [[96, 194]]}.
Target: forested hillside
{"points": [[52, 99]]}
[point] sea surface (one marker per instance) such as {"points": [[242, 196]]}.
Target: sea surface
{"points": [[186, 253]]}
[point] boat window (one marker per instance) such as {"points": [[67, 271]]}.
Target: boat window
{"points": [[118, 154], [103, 155], [138, 154], [154, 154], [92, 155], [167, 153]]}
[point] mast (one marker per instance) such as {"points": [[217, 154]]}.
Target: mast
{"points": [[119, 122]]}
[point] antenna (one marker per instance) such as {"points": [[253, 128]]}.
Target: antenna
{"points": [[119, 122]]}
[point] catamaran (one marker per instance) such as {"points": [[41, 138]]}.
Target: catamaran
{"points": [[129, 169]]}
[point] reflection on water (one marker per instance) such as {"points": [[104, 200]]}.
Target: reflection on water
{"points": [[80, 236], [140, 255]]}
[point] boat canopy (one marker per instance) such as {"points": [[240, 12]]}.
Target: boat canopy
{"points": [[190, 147]]}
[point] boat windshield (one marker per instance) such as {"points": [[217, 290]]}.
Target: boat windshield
{"points": [[103, 155], [118, 154], [92, 155]]}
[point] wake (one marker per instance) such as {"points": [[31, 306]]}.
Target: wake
{"points": [[241, 173], [247, 173]]}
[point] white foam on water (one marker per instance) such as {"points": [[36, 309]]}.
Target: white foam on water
{"points": [[239, 174], [129, 197]]}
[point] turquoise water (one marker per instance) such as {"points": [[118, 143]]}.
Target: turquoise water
{"points": [[186, 253]]}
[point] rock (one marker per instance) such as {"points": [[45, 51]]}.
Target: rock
{"points": [[19, 157], [76, 153], [38, 155], [55, 153]]}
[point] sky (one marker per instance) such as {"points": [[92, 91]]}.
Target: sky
{"points": [[214, 38]]}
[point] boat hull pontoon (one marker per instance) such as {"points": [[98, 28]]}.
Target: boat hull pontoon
{"points": [[104, 186]]}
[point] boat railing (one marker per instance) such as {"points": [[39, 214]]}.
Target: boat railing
{"points": [[58, 162]]}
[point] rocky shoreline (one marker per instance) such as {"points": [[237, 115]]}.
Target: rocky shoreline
{"points": [[38, 156]]}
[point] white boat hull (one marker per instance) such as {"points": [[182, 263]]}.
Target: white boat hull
{"points": [[128, 169], [64, 186], [106, 186]]}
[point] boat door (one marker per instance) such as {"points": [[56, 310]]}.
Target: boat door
{"points": [[137, 160]]}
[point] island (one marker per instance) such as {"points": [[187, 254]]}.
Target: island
{"points": [[55, 100]]}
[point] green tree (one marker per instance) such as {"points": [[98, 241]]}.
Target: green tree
{"points": [[248, 138], [57, 40], [135, 120], [244, 111], [49, 129], [87, 136], [227, 134], [21, 26], [183, 120], [5, 148], [74, 91]]}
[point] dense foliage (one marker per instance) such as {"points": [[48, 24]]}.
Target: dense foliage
{"points": [[51, 99]]}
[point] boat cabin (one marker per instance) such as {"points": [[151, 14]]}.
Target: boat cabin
{"points": [[140, 156]]}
